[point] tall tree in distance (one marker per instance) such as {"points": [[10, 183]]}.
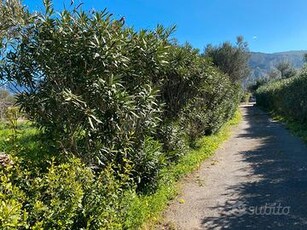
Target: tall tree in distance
{"points": [[285, 69], [231, 59], [282, 70]]}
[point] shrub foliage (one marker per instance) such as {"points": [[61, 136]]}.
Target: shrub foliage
{"points": [[286, 97], [119, 105]]}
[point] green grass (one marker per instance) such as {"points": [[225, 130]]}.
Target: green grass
{"points": [[27, 145], [26, 135], [146, 211]]}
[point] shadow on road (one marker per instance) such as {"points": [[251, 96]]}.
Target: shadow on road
{"points": [[278, 200]]}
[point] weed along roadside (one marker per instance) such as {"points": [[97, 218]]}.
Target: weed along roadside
{"points": [[112, 117]]}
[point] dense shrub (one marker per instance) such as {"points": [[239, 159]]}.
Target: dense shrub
{"points": [[184, 77], [90, 84], [12, 200], [116, 107], [174, 140], [69, 195], [196, 95], [99, 90], [215, 103], [66, 196], [286, 97], [75, 69]]}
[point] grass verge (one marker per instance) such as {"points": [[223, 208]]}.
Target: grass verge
{"points": [[145, 211]]}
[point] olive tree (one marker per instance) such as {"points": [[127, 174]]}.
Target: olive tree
{"points": [[231, 59]]}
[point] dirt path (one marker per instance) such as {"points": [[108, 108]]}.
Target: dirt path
{"points": [[256, 180]]}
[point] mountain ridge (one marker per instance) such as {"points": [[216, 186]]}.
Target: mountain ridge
{"points": [[281, 52], [262, 63]]}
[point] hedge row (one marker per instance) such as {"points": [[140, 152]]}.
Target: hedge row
{"points": [[114, 107], [286, 97], [69, 195]]}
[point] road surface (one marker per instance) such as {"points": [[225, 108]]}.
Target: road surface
{"points": [[256, 180]]}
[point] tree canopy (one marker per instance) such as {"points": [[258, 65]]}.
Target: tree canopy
{"points": [[231, 59]]}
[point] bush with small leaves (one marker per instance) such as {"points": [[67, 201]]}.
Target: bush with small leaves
{"points": [[286, 97], [12, 200], [66, 196]]}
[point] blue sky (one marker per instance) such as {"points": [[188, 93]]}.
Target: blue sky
{"points": [[267, 25]]}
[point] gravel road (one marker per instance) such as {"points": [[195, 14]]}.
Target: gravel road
{"points": [[256, 180]]}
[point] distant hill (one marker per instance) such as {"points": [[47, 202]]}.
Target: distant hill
{"points": [[262, 63]]}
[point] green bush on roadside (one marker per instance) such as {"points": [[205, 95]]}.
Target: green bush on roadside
{"points": [[66, 196], [286, 97], [117, 113]]}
